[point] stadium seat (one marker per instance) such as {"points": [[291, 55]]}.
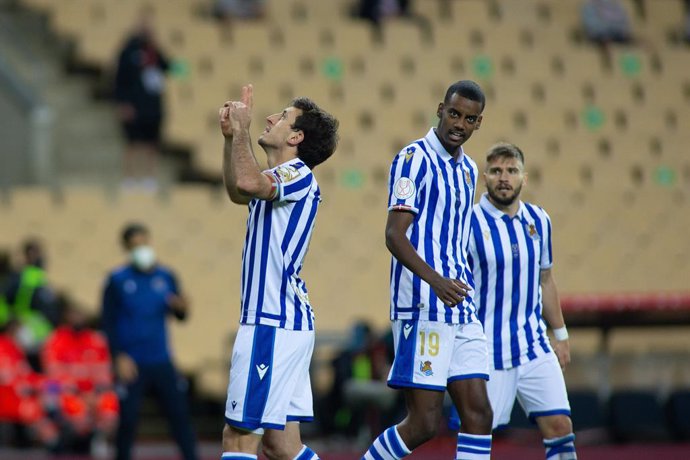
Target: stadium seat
{"points": [[636, 416], [678, 409]]}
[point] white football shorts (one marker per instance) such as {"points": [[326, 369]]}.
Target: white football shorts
{"points": [[538, 386], [269, 378], [430, 354]]}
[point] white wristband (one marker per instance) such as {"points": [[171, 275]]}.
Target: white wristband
{"points": [[561, 333]]}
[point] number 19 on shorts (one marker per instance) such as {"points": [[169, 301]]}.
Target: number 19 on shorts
{"points": [[429, 343]]}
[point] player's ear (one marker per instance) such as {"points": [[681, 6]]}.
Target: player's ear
{"points": [[295, 137], [479, 122], [439, 111]]}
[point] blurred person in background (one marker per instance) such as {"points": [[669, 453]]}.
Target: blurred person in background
{"points": [[77, 367], [139, 87], [32, 301], [7, 277], [229, 10], [138, 299], [606, 22], [359, 398], [22, 390]]}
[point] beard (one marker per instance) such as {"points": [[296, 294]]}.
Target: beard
{"points": [[505, 201]]}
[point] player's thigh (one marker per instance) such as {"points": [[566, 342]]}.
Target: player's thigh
{"points": [[470, 356], [269, 382], [541, 387], [423, 353], [502, 391]]}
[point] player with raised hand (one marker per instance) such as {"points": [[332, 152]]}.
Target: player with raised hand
{"points": [[269, 391]]}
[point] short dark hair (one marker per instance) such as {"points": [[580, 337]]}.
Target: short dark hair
{"points": [[467, 89], [131, 230], [505, 150], [320, 132]]}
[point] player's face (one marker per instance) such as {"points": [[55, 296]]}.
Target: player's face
{"points": [[279, 131], [504, 179], [458, 119]]}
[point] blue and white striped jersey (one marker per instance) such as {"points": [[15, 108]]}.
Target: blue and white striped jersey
{"points": [[278, 234], [427, 181], [506, 255]]}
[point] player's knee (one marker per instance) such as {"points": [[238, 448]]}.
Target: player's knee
{"points": [[273, 449], [477, 419], [422, 427], [556, 426]]}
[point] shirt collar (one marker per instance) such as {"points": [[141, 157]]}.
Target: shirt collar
{"points": [[497, 213], [433, 140]]}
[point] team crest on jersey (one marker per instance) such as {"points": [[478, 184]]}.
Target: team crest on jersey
{"points": [[468, 179], [532, 231], [425, 368], [409, 152], [287, 173], [404, 188]]}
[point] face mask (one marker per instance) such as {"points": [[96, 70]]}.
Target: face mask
{"points": [[143, 257]]}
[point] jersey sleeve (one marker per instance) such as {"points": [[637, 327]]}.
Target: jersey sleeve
{"points": [[546, 261], [407, 179], [292, 183]]}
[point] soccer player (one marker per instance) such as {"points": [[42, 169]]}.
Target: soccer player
{"points": [[269, 391], [511, 260], [439, 342]]}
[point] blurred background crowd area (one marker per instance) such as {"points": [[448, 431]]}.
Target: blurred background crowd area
{"points": [[602, 116]]}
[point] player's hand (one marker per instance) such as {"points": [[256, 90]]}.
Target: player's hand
{"points": [[236, 116], [126, 368], [562, 350], [450, 291]]}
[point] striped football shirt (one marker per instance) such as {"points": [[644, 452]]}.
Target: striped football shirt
{"points": [[427, 181], [278, 234], [506, 256]]}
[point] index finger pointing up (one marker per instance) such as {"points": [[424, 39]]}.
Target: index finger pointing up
{"points": [[248, 95]]}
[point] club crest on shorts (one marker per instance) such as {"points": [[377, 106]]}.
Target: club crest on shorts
{"points": [[425, 368], [404, 188]]}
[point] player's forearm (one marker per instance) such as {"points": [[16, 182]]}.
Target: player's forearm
{"points": [[229, 176], [245, 170], [404, 252], [551, 303]]}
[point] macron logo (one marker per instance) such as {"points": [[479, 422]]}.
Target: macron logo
{"points": [[234, 404], [261, 369], [406, 330]]}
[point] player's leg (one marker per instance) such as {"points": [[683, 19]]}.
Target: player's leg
{"points": [[237, 443], [469, 371], [269, 387], [170, 390], [286, 444], [422, 356], [292, 376], [502, 390], [543, 396]]}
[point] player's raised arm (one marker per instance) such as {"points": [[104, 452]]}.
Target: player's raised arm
{"points": [[241, 172]]}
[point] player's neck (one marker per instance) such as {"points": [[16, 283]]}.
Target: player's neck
{"points": [[277, 157], [509, 209]]}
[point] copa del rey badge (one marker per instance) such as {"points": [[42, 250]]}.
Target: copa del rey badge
{"points": [[404, 188]]}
